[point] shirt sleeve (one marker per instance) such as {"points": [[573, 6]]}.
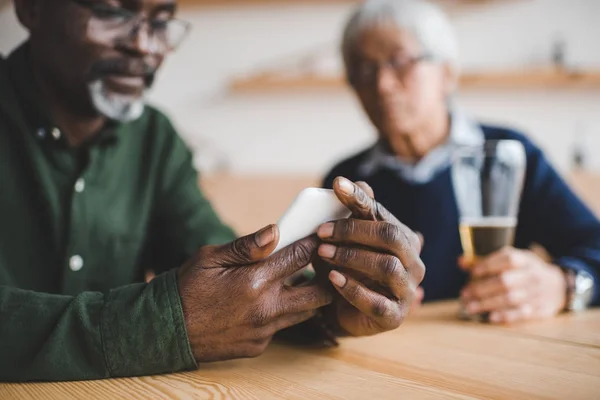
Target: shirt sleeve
{"points": [[554, 217], [184, 219], [128, 331]]}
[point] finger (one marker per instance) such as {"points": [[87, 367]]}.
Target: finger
{"points": [[418, 300], [366, 188], [496, 285], [360, 201], [503, 260], [509, 316], [381, 267], [243, 251], [356, 199], [364, 206], [465, 263], [291, 259], [393, 239], [306, 298], [388, 314], [419, 294], [421, 239], [375, 234], [509, 299], [290, 320]]}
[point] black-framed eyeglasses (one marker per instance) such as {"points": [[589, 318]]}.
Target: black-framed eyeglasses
{"points": [[108, 23], [365, 73]]}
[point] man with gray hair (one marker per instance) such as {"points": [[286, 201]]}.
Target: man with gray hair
{"points": [[96, 187], [401, 60]]}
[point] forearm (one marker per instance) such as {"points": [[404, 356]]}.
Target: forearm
{"points": [[132, 330]]}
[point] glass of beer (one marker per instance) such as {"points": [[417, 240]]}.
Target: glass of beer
{"points": [[487, 181]]}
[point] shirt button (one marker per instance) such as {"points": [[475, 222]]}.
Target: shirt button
{"points": [[80, 185], [76, 263], [56, 133], [41, 133]]}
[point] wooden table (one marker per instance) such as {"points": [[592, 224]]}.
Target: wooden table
{"points": [[432, 356]]}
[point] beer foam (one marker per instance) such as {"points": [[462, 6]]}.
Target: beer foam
{"points": [[500, 222]]}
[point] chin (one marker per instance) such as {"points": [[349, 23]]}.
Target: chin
{"points": [[116, 106], [397, 128]]}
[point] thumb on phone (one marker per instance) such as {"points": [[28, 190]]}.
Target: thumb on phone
{"points": [[246, 249], [418, 300]]}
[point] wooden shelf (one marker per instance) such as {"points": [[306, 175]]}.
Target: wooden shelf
{"points": [[267, 82], [227, 3], [521, 79], [533, 79]]}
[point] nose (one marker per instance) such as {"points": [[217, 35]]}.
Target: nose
{"points": [[386, 80], [140, 39]]}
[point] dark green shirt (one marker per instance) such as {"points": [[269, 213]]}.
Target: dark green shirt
{"points": [[78, 228]]}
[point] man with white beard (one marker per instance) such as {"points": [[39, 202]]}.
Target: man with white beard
{"points": [[96, 187]]}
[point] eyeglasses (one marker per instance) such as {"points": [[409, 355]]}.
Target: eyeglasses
{"points": [[108, 24], [366, 73]]}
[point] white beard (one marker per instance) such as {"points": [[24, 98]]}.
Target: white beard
{"points": [[115, 106]]}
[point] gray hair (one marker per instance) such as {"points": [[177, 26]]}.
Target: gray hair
{"points": [[426, 22]]}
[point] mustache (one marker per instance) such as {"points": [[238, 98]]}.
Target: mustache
{"points": [[124, 66]]}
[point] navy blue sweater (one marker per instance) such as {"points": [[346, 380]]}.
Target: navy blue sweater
{"points": [[550, 215]]}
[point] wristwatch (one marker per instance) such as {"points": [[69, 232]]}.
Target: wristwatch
{"points": [[580, 289]]}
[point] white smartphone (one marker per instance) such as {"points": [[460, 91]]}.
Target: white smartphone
{"points": [[311, 208]]}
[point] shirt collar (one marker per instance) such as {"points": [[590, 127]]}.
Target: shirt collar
{"points": [[39, 120], [463, 132]]}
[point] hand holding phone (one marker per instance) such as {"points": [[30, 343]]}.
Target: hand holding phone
{"points": [[311, 208]]}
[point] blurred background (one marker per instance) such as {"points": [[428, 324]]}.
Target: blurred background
{"points": [[257, 90]]}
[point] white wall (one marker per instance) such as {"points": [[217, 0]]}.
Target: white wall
{"points": [[307, 132]]}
